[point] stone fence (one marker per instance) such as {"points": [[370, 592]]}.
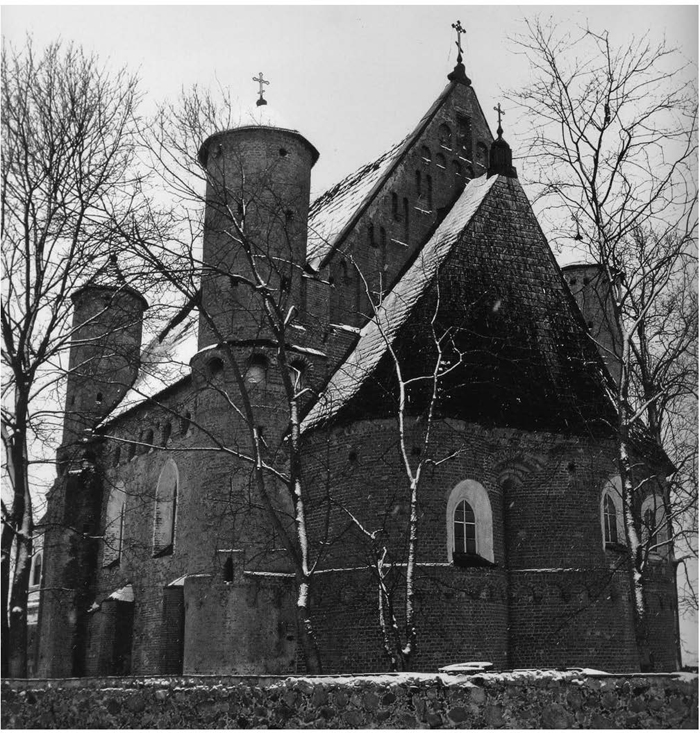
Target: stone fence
{"points": [[527, 699]]}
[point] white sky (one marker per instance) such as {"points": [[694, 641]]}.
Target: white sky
{"points": [[353, 79]]}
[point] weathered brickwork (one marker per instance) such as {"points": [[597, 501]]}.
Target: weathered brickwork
{"points": [[533, 700], [422, 187], [161, 553], [557, 597]]}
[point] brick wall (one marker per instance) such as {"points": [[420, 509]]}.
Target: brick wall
{"points": [[381, 242], [556, 597]]}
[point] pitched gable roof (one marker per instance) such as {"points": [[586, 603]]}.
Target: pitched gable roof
{"points": [[525, 358], [334, 213], [391, 315]]}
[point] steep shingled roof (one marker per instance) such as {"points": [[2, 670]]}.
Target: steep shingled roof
{"points": [[380, 332], [524, 357]]}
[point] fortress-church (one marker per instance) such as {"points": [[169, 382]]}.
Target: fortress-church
{"points": [[419, 292]]}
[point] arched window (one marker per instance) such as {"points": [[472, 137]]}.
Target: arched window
{"points": [[469, 523], [655, 529], [482, 155], [147, 441], [297, 371], [440, 161], [256, 373], [35, 576], [228, 570], [114, 527], [464, 136], [165, 514], [345, 272], [215, 367], [611, 516], [445, 136], [609, 520], [406, 222], [419, 184], [395, 206]]}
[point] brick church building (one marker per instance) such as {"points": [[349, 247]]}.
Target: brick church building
{"points": [[162, 553]]}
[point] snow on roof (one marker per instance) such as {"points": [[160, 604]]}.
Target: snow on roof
{"points": [[163, 363], [178, 582], [126, 594], [330, 213], [333, 212], [376, 336]]}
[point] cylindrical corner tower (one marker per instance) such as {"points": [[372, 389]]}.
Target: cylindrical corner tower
{"points": [[255, 228], [594, 293], [105, 350]]}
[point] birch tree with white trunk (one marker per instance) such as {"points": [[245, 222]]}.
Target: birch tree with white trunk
{"points": [[610, 134]]}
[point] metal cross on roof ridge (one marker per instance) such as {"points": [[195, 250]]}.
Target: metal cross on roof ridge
{"points": [[501, 113], [261, 81], [458, 27]]}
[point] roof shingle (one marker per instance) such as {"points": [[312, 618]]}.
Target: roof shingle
{"points": [[380, 332]]}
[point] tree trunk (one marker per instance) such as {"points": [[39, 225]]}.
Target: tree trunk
{"points": [[312, 658], [18, 605], [7, 542], [20, 548], [635, 560]]}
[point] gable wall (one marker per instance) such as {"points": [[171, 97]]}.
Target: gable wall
{"points": [[380, 265]]}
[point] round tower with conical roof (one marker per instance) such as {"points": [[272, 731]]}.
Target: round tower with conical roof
{"points": [[258, 187], [105, 349], [595, 294]]}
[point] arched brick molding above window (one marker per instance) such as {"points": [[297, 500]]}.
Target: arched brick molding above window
{"points": [[165, 514], [469, 499], [611, 515]]}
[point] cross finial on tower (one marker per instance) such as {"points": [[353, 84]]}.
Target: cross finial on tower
{"points": [[261, 81], [501, 113], [458, 27]]}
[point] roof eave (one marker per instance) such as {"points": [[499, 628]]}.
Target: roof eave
{"points": [[405, 147]]}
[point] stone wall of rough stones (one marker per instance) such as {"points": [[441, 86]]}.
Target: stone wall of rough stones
{"points": [[508, 700]]}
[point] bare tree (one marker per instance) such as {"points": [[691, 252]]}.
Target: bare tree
{"points": [[171, 244], [611, 144], [392, 545], [68, 148]]}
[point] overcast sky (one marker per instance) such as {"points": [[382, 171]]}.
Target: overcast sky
{"points": [[353, 79]]}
